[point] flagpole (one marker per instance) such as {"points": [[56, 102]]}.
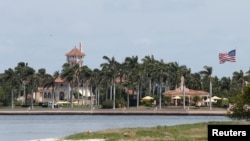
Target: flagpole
{"points": [[210, 93]]}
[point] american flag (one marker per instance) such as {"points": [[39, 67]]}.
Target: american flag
{"points": [[228, 56]]}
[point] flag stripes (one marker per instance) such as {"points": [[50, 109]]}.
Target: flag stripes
{"points": [[230, 56]]}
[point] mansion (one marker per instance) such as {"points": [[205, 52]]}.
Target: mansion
{"points": [[62, 88]]}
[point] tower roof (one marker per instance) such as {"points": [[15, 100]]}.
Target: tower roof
{"points": [[75, 52]]}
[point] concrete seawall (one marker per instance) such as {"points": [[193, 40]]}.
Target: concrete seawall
{"points": [[114, 112]]}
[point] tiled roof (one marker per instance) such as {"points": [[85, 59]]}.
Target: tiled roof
{"points": [[130, 92], [75, 52], [59, 80], [179, 91]]}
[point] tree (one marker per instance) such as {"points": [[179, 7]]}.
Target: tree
{"points": [[11, 77], [69, 73], [33, 86], [207, 72], [130, 65], [241, 107], [49, 81], [24, 72], [111, 68]]}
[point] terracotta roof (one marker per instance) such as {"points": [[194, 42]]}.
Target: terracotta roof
{"points": [[119, 80], [130, 92], [75, 52], [179, 91], [59, 80]]}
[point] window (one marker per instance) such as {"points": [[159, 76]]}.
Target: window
{"points": [[45, 95], [61, 96], [49, 95]]}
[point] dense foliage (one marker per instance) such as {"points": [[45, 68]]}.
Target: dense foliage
{"points": [[240, 109], [147, 77]]}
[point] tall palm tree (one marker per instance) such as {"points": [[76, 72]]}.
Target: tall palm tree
{"points": [[49, 82], [84, 77], [11, 77], [43, 76], [33, 84], [148, 63], [111, 67], [130, 66], [161, 74], [24, 72], [69, 73], [239, 79], [207, 72]]}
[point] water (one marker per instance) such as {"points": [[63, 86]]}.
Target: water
{"points": [[29, 127]]}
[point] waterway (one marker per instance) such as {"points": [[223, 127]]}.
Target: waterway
{"points": [[30, 127]]}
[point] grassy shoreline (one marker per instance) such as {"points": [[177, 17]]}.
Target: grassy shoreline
{"points": [[183, 132]]}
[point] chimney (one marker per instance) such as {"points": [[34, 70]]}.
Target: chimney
{"points": [[80, 46]]}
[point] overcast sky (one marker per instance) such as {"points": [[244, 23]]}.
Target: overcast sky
{"points": [[190, 32]]}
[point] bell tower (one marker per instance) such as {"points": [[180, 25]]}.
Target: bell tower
{"points": [[75, 56]]}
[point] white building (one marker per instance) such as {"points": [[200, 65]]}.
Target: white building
{"points": [[62, 88]]}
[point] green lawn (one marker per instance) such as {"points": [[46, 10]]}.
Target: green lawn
{"points": [[185, 132]]}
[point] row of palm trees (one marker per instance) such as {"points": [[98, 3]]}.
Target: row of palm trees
{"points": [[147, 76]]}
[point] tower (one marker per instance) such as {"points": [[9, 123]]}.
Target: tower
{"points": [[75, 56]]}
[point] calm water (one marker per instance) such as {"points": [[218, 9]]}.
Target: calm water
{"points": [[28, 127]]}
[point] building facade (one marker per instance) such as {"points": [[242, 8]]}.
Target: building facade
{"points": [[62, 88]]}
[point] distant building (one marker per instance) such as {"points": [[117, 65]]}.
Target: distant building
{"points": [[177, 94], [62, 88]]}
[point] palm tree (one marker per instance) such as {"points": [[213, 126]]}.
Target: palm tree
{"points": [[49, 81], [130, 65], [24, 72], [70, 74], [11, 77], [84, 78], [207, 72], [148, 63], [111, 67], [161, 74], [43, 76], [238, 79], [33, 84]]}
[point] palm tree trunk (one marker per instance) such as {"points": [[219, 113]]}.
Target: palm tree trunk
{"points": [[86, 93], [53, 98], [31, 99], [127, 100], [12, 99], [71, 97], [114, 96], [98, 98], [83, 102], [110, 92], [24, 94], [78, 91], [106, 94], [160, 96], [138, 93], [91, 98], [210, 100], [43, 96]]}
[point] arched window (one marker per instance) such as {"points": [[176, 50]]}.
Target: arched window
{"points": [[45, 95], [61, 96], [49, 95]]}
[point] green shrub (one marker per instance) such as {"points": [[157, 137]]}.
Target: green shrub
{"points": [[107, 104]]}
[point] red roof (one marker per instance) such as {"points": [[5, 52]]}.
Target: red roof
{"points": [[75, 52], [179, 91], [59, 80]]}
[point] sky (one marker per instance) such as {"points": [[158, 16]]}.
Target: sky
{"points": [[189, 32]]}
